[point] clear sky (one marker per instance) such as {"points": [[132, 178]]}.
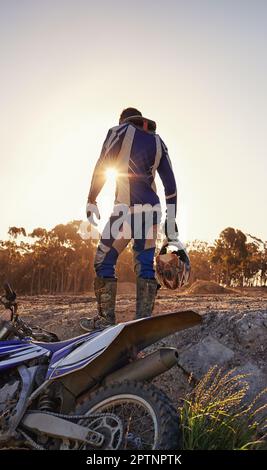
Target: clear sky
{"points": [[197, 67]]}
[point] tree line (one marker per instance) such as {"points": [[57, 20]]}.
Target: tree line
{"points": [[61, 261]]}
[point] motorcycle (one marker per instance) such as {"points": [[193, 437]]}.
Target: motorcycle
{"points": [[93, 391]]}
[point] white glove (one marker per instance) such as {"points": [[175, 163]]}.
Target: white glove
{"points": [[182, 251], [91, 211]]}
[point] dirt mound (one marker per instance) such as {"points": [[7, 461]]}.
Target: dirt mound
{"points": [[208, 287]]}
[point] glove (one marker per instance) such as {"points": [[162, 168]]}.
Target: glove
{"points": [[171, 229], [181, 252], [91, 211]]}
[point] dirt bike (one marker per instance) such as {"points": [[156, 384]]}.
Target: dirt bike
{"points": [[89, 392]]}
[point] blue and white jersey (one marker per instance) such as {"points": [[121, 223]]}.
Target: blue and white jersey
{"points": [[136, 154]]}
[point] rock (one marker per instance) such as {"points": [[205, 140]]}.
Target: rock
{"points": [[250, 330], [256, 379], [198, 358]]}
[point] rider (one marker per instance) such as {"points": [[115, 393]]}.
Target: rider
{"points": [[137, 152]]}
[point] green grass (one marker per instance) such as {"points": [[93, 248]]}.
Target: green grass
{"points": [[215, 416]]}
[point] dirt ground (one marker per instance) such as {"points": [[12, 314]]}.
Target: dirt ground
{"points": [[61, 314]]}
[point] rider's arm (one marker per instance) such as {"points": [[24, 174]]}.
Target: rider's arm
{"points": [[110, 150], [167, 177]]}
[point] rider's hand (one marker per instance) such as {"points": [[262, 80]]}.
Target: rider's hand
{"points": [[91, 211], [171, 229], [182, 251]]}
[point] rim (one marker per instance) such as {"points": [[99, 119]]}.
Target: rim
{"points": [[139, 420]]}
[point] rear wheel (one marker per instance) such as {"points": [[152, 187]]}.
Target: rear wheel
{"points": [[148, 419]]}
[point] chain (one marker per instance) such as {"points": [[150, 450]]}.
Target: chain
{"points": [[77, 417]]}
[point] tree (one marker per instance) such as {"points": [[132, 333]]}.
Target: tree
{"points": [[62, 260], [229, 256], [16, 231], [200, 257]]}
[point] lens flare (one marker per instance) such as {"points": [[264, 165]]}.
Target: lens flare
{"points": [[111, 173]]}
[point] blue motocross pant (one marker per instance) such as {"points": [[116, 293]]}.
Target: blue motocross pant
{"points": [[126, 224]]}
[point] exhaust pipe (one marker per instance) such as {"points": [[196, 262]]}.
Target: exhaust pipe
{"points": [[146, 368]]}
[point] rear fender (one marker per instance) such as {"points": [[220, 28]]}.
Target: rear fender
{"points": [[132, 338]]}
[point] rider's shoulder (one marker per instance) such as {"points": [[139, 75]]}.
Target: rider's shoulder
{"points": [[119, 127]]}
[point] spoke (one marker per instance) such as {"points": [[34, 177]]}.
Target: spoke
{"points": [[138, 423]]}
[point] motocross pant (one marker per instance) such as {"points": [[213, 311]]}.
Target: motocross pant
{"points": [[126, 224]]}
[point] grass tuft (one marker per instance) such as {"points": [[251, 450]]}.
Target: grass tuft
{"points": [[215, 416]]}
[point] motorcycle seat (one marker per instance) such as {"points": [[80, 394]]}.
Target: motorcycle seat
{"points": [[56, 346]]}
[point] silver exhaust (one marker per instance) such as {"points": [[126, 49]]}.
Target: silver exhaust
{"points": [[146, 368]]}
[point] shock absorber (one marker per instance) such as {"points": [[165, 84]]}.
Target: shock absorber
{"points": [[46, 403]]}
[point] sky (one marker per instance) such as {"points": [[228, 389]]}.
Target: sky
{"points": [[197, 67]]}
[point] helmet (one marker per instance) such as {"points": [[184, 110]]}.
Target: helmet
{"points": [[173, 266]]}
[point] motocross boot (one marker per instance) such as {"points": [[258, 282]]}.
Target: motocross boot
{"points": [[146, 292], [105, 292]]}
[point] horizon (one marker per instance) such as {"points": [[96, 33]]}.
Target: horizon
{"points": [[96, 234], [67, 72]]}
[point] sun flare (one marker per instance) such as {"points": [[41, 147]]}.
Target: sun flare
{"points": [[111, 174]]}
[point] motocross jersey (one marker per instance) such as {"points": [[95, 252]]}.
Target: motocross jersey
{"points": [[136, 154]]}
